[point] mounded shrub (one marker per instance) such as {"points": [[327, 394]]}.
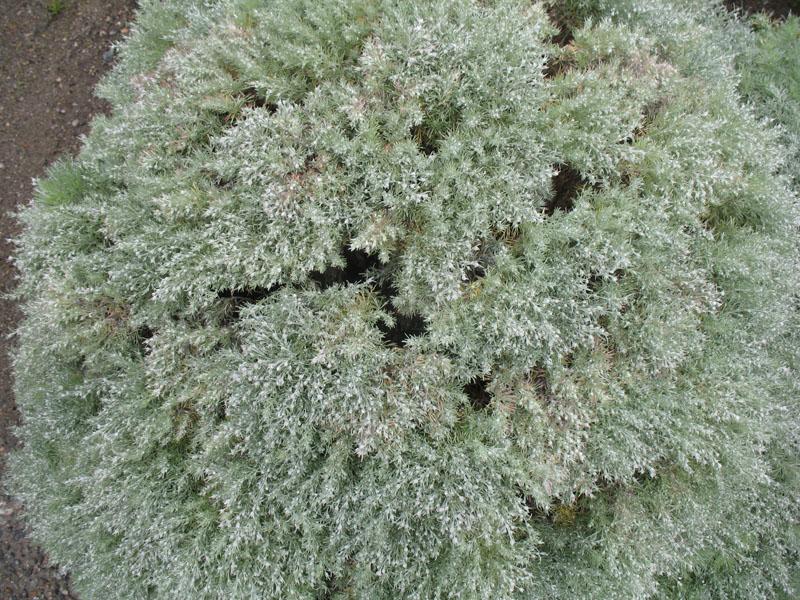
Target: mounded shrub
{"points": [[414, 300]]}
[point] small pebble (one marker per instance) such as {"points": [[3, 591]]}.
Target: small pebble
{"points": [[75, 123]]}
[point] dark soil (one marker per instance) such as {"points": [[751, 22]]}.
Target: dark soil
{"points": [[52, 53], [779, 8], [51, 56]]}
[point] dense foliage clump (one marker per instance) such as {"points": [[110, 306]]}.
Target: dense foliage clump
{"points": [[414, 300], [770, 71]]}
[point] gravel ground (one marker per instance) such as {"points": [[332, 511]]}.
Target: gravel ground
{"points": [[51, 56]]}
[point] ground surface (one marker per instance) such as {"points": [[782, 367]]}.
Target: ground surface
{"points": [[50, 61], [779, 8], [52, 53]]}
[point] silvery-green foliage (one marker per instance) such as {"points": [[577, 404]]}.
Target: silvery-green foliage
{"points": [[771, 81], [426, 299]]}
